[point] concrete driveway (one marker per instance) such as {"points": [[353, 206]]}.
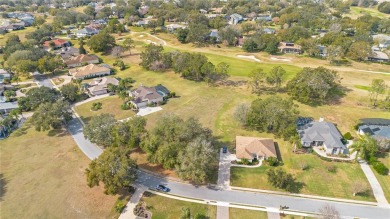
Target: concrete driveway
{"points": [[148, 110], [224, 169]]}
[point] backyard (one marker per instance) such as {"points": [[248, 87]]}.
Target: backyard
{"points": [[43, 174], [162, 207]]}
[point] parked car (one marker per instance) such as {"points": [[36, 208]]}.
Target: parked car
{"points": [[224, 150], [162, 188]]}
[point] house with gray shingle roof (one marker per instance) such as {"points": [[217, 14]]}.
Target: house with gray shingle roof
{"points": [[321, 134], [377, 128]]}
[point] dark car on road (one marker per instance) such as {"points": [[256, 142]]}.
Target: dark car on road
{"points": [[224, 150], [162, 188]]}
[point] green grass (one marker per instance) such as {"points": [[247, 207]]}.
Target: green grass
{"points": [[362, 87], [110, 105], [359, 11], [316, 179], [243, 67], [238, 213], [384, 180], [163, 208], [42, 176]]}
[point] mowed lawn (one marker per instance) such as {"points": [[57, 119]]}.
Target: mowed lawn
{"points": [[111, 105], [238, 213], [316, 180], [164, 208], [384, 180], [42, 176]]}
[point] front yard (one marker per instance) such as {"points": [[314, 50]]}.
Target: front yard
{"points": [[162, 207], [111, 105], [316, 179]]}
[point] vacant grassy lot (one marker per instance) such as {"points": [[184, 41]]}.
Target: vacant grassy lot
{"points": [[315, 180], [384, 180], [359, 11], [42, 176], [111, 105], [238, 213], [163, 208]]}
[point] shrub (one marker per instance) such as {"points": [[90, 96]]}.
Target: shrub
{"points": [[380, 168], [96, 106], [281, 179], [125, 106], [348, 136], [331, 168], [272, 161], [119, 206], [245, 161], [172, 94]]}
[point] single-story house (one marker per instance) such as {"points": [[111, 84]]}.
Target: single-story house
{"points": [[99, 85], [174, 27], [87, 31], [58, 43], [378, 56], [235, 18], [67, 52], [214, 34], [141, 23], [6, 107], [266, 18], [376, 127], [286, 47], [80, 59], [321, 134], [144, 96], [89, 71], [254, 148], [4, 74], [269, 30], [322, 51], [384, 44]]}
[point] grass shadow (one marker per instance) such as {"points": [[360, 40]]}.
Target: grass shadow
{"points": [[3, 188], [57, 133]]}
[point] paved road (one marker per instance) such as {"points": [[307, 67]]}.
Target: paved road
{"points": [[232, 196], [376, 187], [76, 130], [43, 80]]}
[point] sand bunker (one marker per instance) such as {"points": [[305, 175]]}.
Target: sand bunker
{"points": [[249, 57], [280, 59]]}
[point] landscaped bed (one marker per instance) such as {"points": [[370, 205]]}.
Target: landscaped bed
{"points": [[111, 105], [162, 207]]}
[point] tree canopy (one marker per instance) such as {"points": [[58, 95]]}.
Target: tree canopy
{"points": [[314, 85], [99, 129], [36, 96], [114, 168]]}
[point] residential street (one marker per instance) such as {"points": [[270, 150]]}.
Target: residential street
{"points": [[92, 151]]}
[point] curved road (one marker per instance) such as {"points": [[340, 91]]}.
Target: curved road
{"points": [[348, 210]]}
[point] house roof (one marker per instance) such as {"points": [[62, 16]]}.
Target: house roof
{"points": [[375, 121], [87, 70], [379, 55], [285, 45], [3, 71], [377, 131], [87, 30], [143, 93], [247, 146], [8, 105], [103, 81], [57, 42], [321, 131], [81, 58]]}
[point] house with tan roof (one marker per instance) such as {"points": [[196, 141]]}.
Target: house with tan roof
{"points": [[55, 44], [89, 71], [254, 148], [144, 96], [75, 61], [99, 86]]}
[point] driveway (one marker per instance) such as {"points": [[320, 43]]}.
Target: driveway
{"points": [[224, 169], [148, 110]]}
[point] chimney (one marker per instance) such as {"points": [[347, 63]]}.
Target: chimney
{"points": [[321, 119]]}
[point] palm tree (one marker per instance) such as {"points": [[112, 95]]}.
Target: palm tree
{"points": [[366, 146]]}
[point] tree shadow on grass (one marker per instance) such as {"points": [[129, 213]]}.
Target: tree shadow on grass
{"points": [[57, 133], [296, 187], [22, 130], [3, 183]]}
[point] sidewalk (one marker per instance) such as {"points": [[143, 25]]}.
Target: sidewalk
{"points": [[376, 187], [127, 212]]}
